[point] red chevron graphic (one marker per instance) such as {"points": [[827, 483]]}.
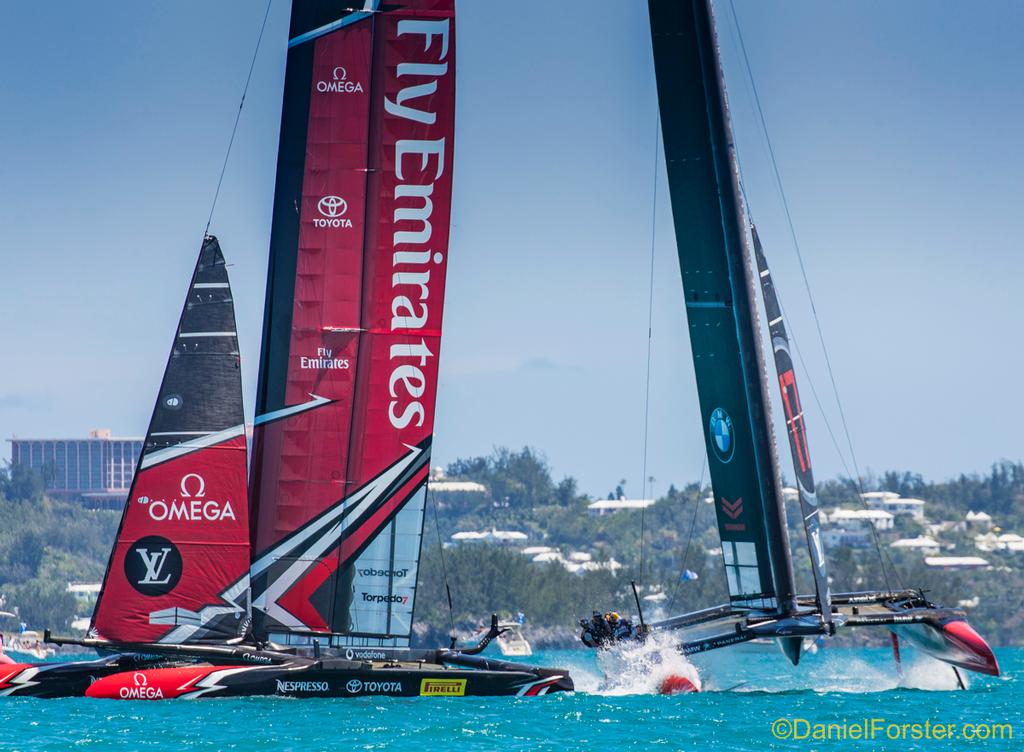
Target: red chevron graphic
{"points": [[732, 509]]}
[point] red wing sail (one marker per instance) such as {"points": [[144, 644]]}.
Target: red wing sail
{"points": [[352, 331], [179, 568]]}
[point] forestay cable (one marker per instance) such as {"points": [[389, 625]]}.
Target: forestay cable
{"points": [[689, 537], [444, 566], [238, 117], [650, 330]]}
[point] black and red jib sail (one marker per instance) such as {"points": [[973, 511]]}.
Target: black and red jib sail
{"points": [[796, 428], [178, 571], [352, 327]]}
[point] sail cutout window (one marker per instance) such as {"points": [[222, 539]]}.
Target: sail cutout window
{"points": [[741, 568]]}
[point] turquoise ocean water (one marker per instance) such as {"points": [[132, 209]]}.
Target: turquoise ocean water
{"points": [[837, 686]]}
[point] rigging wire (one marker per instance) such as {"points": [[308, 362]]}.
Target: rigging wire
{"points": [[444, 566], [238, 117], [650, 330], [689, 536], [814, 311]]}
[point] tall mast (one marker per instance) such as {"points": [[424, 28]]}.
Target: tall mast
{"points": [[719, 285]]}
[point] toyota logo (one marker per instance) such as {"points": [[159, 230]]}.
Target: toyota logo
{"points": [[354, 686], [332, 206]]}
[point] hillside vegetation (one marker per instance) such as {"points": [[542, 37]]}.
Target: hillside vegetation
{"points": [[45, 544]]}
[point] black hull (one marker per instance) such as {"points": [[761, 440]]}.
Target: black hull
{"points": [[943, 633], [56, 680], [154, 671], [305, 679]]}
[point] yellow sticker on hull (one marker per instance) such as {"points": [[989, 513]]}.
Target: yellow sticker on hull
{"points": [[443, 688]]}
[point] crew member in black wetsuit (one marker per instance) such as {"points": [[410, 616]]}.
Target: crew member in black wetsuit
{"points": [[604, 630], [596, 631]]}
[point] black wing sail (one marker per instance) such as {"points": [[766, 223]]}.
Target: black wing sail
{"points": [[796, 428], [720, 306]]}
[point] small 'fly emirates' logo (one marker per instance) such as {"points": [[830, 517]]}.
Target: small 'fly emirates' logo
{"points": [[191, 506], [418, 165], [324, 360]]}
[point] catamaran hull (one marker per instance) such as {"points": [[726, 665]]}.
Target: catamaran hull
{"points": [[303, 681], [954, 642], [57, 680]]}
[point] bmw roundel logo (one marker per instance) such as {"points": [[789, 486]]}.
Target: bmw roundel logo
{"points": [[723, 441]]}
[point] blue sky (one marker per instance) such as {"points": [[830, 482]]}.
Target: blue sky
{"points": [[897, 131]]}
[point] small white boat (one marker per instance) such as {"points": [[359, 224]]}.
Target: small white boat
{"points": [[26, 646], [511, 642]]}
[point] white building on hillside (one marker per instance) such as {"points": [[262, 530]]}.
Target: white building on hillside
{"points": [[854, 518], [536, 550], [978, 520], [851, 528], [500, 537], [894, 504], [921, 543], [440, 484], [1003, 542], [606, 506], [841, 537], [955, 562], [84, 591]]}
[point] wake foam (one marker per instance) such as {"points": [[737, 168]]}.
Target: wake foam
{"points": [[636, 669]]}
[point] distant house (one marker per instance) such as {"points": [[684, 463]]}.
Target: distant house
{"points": [[440, 484], [1004, 542], [955, 562], [578, 562], [858, 518], [851, 528], [894, 504], [1011, 542], [548, 556], [84, 591], [536, 550], [500, 537], [921, 543], [843, 538], [607, 506], [978, 520], [456, 486]]}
